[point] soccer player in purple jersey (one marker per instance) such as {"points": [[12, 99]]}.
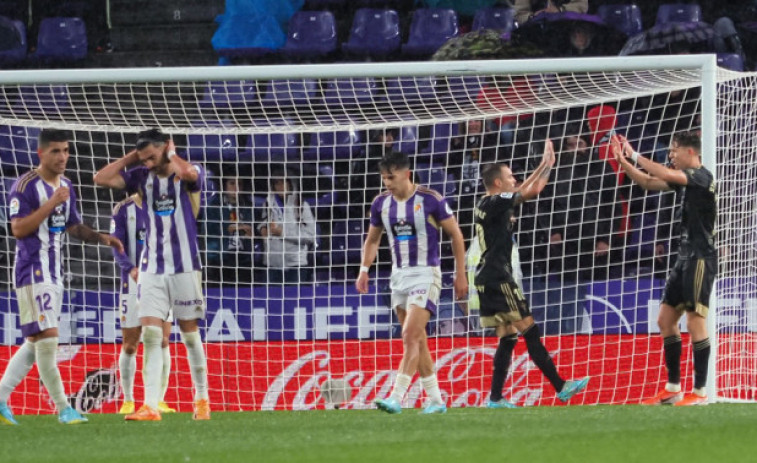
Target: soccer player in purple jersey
{"points": [[42, 205], [170, 275], [412, 215], [128, 225]]}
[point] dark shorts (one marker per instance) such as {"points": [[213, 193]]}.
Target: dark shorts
{"points": [[689, 285], [501, 303]]}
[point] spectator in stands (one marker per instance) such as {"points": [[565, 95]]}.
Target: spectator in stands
{"points": [[582, 41], [229, 228], [289, 231], [527, 9], [580, 201]]}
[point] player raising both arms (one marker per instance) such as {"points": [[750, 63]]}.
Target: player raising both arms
{"points": [[689, 283], [42, 205], [128, 225], [169, 278], [502, 303], [411, 215]]}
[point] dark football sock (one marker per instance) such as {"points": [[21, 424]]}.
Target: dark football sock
{"points": [[502, 359], [672, 347], [541, 357], [701, 362]]}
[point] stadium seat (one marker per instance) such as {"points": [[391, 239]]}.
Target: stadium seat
{"points": [[311, 33], [678, 12], [223, 95], [374, 33], [430, 29], [212, 147], [325, 3], [407, 140], [41, 100], [346, 242], [326, 146], [62, 39], [625, 18], [436, 178], [732, 61], [439, 144], [272, 146], [464, 88], [500, 18], [411, 90], [12, 41], [288, 94], [18, 148], [342, 93]]}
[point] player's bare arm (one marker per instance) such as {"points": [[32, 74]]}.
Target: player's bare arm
{"points": [[88, 235], [624, 153], [450, 227], [536, 182], [370, 249], [183, 169], [24, 226], [110, 175]]}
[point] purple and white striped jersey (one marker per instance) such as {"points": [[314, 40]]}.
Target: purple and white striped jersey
{"points": [[38, 256], [171, 208], [128, 224], [412, 226]]}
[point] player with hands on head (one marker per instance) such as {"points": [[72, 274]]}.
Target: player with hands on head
{"points": [[690, 281], [502, 303], [412, 216], [42, 206]]}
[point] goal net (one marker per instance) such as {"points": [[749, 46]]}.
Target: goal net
{"points": [[283, 316]]}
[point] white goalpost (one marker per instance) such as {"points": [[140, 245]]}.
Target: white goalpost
{"points": [[283, 316]]}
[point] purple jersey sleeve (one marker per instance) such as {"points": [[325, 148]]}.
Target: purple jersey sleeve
{"points": [[376, 212], [20, 204], [134, 178], [118, 229], [74, 217], [442, 211]]}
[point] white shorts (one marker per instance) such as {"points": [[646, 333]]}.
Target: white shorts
{"points": [[180, 293], [39, 306], [419, 286], [129, 308]]}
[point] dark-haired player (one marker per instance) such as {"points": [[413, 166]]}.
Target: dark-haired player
{"points": [[502, 303], [42, 205], [689, 283]]}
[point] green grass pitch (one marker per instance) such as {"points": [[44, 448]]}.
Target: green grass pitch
{"points": [[722, 432]]}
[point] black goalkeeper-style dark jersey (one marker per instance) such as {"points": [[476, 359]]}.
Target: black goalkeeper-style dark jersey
{"points": [[697, 213], [494, 229]]}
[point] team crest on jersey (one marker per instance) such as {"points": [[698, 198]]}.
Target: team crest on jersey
{"points": [[41, 318], [418, 207], [14, 206]]}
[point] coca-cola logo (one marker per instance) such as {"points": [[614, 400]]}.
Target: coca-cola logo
{"points": [[459, 372], [100, 386]]}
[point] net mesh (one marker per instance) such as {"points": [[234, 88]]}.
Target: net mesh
{"points": [[594, 248]]}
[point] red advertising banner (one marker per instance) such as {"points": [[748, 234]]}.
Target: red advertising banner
{"points": [[287, 375]]}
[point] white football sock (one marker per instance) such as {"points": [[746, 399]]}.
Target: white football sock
{"points": [[197, 363], [18, 367], [152, 338], [431, 386], [127, 367], [401, 385], [166, 373], [46, 351]]}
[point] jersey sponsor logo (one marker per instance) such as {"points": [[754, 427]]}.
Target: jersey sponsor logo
{"points": [[112, 226], [164, 205], [507, 195], [57, 220], [14, 206], [403, 230], [188, 302], [141, 235], [417, 292]]}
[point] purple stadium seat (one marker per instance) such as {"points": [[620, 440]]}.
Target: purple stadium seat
{"points": [[436, 178], [311, 33], [411, 90], [349, 92], [374, 32], [346, 242], [465, 88], [325, 146], [212, 147], [407, 139], [272, 146], [429, 29], [220, 94], [732, 61], [62, 39], [625, 18], [678, 12], [41, 99], [500, 18], [290, 93], [441, 137], [18, 147], [12, 41]]}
